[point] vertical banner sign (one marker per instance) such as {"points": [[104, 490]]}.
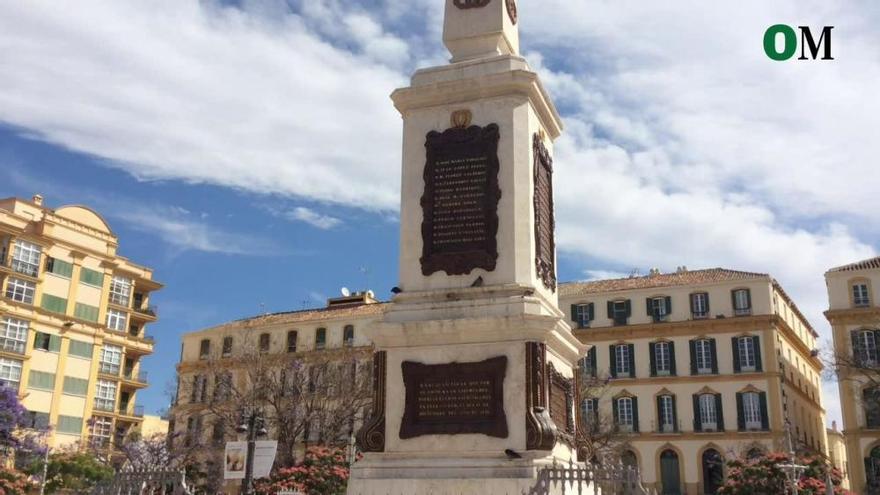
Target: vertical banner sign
{"points": [[236, 460]]}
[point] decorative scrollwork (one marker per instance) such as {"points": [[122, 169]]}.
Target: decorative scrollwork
{"points": [[545, 223], [371, 437], [511, 10], [540, 430]]}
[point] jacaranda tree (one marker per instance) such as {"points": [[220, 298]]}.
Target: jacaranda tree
{"points": [[763, 475], [322, 471]]}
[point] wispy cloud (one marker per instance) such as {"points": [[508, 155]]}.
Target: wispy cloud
{"points": [[311, 217]]}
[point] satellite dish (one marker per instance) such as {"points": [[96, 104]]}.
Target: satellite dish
{"points": [[345, 291]]}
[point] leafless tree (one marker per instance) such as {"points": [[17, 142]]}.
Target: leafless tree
{"points": [[598, 439]]}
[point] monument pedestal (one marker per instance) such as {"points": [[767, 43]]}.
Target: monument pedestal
{"points": [[474, 366]]}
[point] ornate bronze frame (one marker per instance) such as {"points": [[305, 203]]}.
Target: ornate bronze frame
{"points": [[540, 429], [371, 437], [559, 384], [545, 255]]}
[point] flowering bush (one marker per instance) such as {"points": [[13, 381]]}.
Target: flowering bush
{"points": [[323, 471], [13, 482], [760, 475]]}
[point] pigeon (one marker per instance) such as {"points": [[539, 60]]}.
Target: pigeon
{"points": [[396, 290], [478, 282], [511, 454]]}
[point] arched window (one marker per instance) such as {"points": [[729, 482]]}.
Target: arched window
{"points": [[264, 342], [872, 469], [348, 336], [713, 471], [204, 349], [320, 338], [629, 459], [291, 340], [754, 453]]}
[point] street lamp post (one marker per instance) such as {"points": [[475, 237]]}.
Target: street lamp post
{"points": [[792, 468], [253, 424]]}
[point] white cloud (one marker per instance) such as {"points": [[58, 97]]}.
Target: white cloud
{"points": [[313, 218]]}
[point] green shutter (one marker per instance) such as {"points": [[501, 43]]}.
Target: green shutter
{"points": [[91, 277], [54, 343], [54, 304], [41, 380], [62, 268], [80, 349], [75, 386], [70, 424], [86, 312]]}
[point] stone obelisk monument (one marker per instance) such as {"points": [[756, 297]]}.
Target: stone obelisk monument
{"points": [[473, 371]]}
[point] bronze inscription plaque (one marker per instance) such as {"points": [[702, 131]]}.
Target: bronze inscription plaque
{"points": [[545, 224], [454, 398], [460, 202]]}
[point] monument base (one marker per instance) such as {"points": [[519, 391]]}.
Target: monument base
{"points": [[384, 474]]}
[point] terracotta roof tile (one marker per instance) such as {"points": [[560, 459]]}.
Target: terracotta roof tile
{"points": [[688, 277], [867, 264]]}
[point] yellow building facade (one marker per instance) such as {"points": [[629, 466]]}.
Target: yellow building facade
{"points": [[854, 314], [701, 365], [73, 317]]}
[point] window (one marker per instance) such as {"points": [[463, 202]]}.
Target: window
{"points": [[703, 356], [588, 364], [193, 430], [116, 320], [26, 258], [105, 395], [582, 314], [227, 346], [659, 308], [292, 335], [708, 414], [111, 357], [746, 357], [120, 290], [865, 346], [41, 380], [622, 361], [199, 390], [204, 349], [75, 386], [91, 277], [58, 267], [223, 386], [47, 342], [218, 432], [80, 349], [590, 413], [860, 294], [320, 338], [86, 312], [54, 304], [37, 420], [751, 410], [666, 413], [700, 305], [13, 334], [100, 430], [20, 290], [348, 336], [662, 358], [264, 342], [72, 425], [742, 302], [10, 372], [625, 414], [619, 311]]}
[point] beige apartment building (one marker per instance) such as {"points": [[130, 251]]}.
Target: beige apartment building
{"points": [[854, 314], [73, 317], [837, 453], [702, 365]]}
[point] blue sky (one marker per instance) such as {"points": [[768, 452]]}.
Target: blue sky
{"points": [[250, 153]]}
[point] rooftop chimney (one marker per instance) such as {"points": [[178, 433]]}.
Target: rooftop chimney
{"points": [[38, 199]]}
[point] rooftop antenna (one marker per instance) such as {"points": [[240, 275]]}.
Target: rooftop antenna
{"points": [[263, 308], [345, 292]]}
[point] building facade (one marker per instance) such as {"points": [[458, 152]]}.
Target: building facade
{"points": [[73, 317], [837, 454], [854, 314], [700, 365]]}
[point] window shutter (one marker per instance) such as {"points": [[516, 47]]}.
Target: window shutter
{"points": [[733, 302], [635, 403], [632, 360], [765, 419], [698, 426], [707, 302], [674, 415], [614, 415], [628, 308], [611, 310], [693, 298], [693, 346], [612, 366], [648, 303], [734, 344], [591, 310], [756, 341], [740, 414], [672, 358], [749, 298], [55, 343], [856, 351], [668, 305], [591, 354], [652, 347], [574, 317], [659, 413], [714, 354], [719, 411]]}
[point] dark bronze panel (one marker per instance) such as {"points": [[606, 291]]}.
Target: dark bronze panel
{"points": [[470, 4], [371, 437], [460, 202], [454, 398], [545, 223], [562, 403], [511, 10], [540, 430]]}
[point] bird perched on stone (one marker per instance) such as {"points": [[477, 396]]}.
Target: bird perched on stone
{"points": [[396, 290], [511, 454], [478, 282]]}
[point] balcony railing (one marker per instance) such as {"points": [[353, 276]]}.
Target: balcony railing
{"points": [[12, 345], [108, 368], [137, 411], [140, 376], [150, 310], [26, 268], [104, 405]]}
